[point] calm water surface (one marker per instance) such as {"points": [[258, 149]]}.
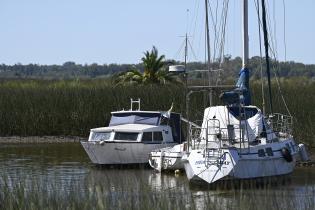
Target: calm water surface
{"points": [[66, 168]]}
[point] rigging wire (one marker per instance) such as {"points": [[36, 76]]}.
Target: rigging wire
{"points": [[276, 68], [280, 90], [223, 30], [218, 19], [266, 52], [260, 59], [284, 31], [192, 50], [223, 37], [194, 24], [214, 24], [275, 25], [178, 53], [271, 41], [218, 13]]}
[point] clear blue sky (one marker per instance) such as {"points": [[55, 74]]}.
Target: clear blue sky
{"points": [[119, 31]]}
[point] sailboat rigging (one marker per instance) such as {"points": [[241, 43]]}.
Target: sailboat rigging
{"points": [[263, 7], [235, 140], [241, 143]]}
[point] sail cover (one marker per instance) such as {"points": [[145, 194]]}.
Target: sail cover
{"points": [[221, 117], [241, 94]]}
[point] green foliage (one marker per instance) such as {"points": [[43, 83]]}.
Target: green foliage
{"points": [[71, 70], [130, 77], [152, 63], [73, 107], [154, 71]]}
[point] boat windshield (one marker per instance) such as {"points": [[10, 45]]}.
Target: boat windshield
{"points": [[135, 118], [100, 136], [126, 136]]}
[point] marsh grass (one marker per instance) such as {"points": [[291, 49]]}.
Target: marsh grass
{"points": [[72, 107], [132, 193]]}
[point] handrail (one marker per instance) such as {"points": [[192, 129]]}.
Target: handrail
{"points": [[190, 123], [281, 124]]}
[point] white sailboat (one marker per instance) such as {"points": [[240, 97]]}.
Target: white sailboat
{"points": [[170, 158], [240, 142]]}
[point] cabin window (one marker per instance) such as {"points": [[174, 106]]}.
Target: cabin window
{"points": [[147, 136], [269, 151], [261, 153], [127, 136], [157, 136], [100, 136], [134, 118]]}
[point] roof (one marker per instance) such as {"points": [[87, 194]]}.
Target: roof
{"points": [[126, 128], [139, 111]]}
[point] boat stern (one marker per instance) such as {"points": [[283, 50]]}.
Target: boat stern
{"points": [[210, 166]]}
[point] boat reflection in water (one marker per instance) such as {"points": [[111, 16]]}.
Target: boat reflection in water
{"points": [[64, 172]]}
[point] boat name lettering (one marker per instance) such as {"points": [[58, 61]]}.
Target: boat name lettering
{"points": [[199, 162]]}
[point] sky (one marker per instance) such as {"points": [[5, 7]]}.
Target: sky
{"points": [[119, 31]]}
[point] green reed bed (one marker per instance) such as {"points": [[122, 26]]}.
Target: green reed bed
{"points": [[129, 194], [39, 107], [133, 193]]}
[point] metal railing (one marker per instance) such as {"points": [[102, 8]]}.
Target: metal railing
{"points": [[214, 134], [229, 135], [195, 138], [281, 124]]}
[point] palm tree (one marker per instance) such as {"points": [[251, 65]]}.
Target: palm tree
{"points": [[129, 77], [154, 71], [152, 63]]}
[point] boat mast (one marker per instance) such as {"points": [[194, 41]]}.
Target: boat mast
{"points": [[186, 51], [245, 34], [245, 60], [208, 51], [266, 51]]}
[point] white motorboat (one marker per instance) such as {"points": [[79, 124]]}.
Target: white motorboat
{"points": [[132, 135], [170, 158]]}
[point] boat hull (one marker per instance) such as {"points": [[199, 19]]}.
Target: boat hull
{"points": [[161, 161], [235, 164], [110, 153]]}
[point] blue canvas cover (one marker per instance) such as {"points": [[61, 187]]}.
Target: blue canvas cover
{"points": [[241, 94]]}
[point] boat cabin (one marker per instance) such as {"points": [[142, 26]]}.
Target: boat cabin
{"points": [[148, 127]]}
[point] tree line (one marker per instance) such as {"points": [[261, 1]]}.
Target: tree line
{"points": [[231, 67]]}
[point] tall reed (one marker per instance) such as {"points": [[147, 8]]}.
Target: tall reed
{"points": [[38, 107], [134, 193]]}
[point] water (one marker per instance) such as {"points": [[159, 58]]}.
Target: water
{"points": [[65, 169]]}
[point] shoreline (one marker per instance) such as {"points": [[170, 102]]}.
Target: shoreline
{"points": [[40, 139], [77, 139]]}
